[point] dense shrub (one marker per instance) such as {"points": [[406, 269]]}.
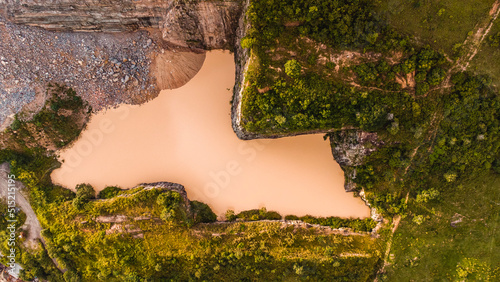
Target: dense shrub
{"points": [[365, 225], [202, 212], [85, 191], [258, 214], [109, 192], [230, 215]]}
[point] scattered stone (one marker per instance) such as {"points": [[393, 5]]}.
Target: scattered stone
{"points": [[79, 60], [456, 219]]}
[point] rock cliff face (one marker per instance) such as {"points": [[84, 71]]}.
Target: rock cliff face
{"points": [[349, 149], [168, 186], [241, 63], [204, 25], [87, 15], [198, 24]]}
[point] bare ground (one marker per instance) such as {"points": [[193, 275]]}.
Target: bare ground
{"points": [[173, 69]]}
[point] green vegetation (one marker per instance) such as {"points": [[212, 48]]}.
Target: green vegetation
{"points": [[260, 214], [363, 225], [94, 250], [291, 87], [439, 126], [84, 193], [109, 192], [356, 225], [464, 146], [202, 213], [456, 237], [442, 24], [487, 60], [19, 216], [58, 123], [173, 209]]}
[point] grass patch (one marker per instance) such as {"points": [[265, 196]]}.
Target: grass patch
{"points": [[441, 24], [427, 246], [487, 59]]}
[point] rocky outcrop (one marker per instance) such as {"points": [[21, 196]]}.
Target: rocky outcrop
{"points": [[374, 214], [87, 15], [104, 69], [242, 59], [168, 186], [350, 148], [203, 25]]}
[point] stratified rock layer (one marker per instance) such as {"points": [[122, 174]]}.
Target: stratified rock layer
{"points": [[198, 24], [205, 25], [87, 15]]}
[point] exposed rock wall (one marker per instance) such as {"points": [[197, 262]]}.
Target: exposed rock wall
{"points": [[241, 58], [194, 24], [204, 25], [349, 149], [87, 15]]}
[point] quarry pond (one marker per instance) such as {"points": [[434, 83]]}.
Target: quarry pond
{"points": [[185, 136]]}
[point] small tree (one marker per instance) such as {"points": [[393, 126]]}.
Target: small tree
{"points": [[230, 215], [247, 42], [85, 191], [450, 176], [436, 76], [293, 68], [202, 212], [109, 192], [422, 89]]}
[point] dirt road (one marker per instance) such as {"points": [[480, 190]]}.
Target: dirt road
{"points": [[32, 224]]}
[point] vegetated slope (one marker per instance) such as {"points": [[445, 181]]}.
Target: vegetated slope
{"points": [[144, 233], [444, 24], [452, 237], [487, 60], [56, 124], [437, 125]]}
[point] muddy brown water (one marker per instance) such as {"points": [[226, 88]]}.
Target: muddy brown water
{"points": [[185, 136]]}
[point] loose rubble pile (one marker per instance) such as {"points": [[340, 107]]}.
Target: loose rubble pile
{"points": [[105, 69]]}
